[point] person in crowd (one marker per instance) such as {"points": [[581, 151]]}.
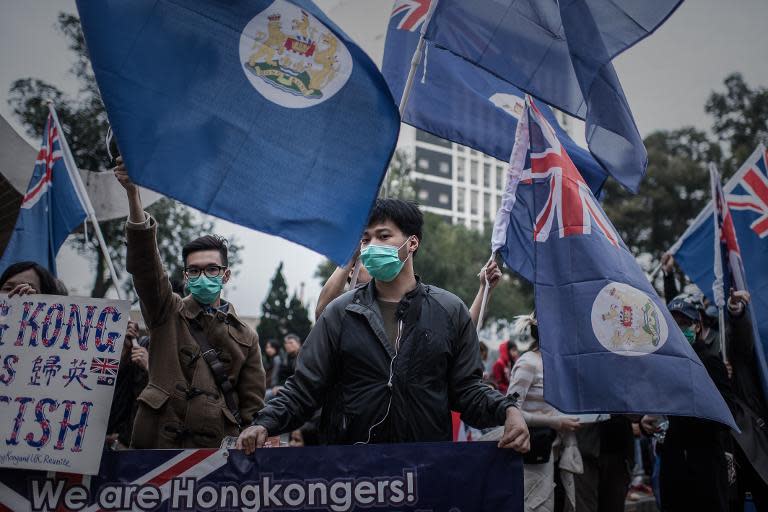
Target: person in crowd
{"points": [[272, 363], [486, 360], [492, 272], [748, 404], [608, 452], [305, 436], [548, 427], [508, 354], [694, 467], [131, 380], [28, 277], [205, 373], [338, 283], [388, 361], [292, 347], [710, 336]]}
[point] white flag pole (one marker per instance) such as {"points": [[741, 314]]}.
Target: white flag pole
{"points": [[82, 194], [416, 59], [717, 285], [486, 291]]}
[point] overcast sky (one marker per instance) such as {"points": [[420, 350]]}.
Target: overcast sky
{"points": [[666, 78]]}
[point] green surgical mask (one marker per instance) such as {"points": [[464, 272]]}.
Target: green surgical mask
{"points": [[690, 334], [205, 289], [383, 261]]}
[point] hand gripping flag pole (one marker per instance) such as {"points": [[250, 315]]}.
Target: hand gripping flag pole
{"points": [[82, 193]]}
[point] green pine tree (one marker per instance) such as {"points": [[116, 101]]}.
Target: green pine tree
{"points": [[298, 318], [274, 311]]}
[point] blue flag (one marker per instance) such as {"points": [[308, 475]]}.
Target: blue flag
{"points": [[608, 343], [747, 196], [260, 112], [51, 208], [454, 99], [560, 52]]}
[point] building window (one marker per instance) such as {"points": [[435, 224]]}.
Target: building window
{"points": [[473, 201], [500, 177], [461, 169], [423, 163], [473, 172], [476, 225], [459, 148], [444, 199], [487, 175], [472, 152], [445, 168], [461, 204], [423, 195], [487, 205]]}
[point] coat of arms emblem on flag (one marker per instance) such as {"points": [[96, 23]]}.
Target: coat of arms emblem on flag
{"points": [[291, 58]]}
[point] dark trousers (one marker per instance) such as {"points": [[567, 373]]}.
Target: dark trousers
{"points": [[747, 480], [604, 484]]}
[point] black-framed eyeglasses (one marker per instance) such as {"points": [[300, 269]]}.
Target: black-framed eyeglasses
{"points": [[209, 271]]}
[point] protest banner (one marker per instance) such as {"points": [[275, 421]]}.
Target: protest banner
{"points": [[424, 476], [59, 358]]}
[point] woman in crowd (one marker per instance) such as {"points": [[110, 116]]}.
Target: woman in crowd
{"points": [[27, 277], [548, 427]]}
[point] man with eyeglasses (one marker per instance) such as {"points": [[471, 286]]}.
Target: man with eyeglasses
{"points": [[205, 373]]}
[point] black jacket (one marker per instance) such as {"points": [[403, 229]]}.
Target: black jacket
{"points": [[748, 402], [694, 470], [344, 367]]}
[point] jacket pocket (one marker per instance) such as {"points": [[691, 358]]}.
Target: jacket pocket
{"points": [[146, 427], [154, 397], [240, 335]]}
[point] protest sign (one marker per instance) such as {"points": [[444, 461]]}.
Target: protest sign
{"points": [[405, 477], [59, 358]]}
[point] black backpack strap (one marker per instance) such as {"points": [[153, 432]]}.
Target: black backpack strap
{"points": [[211, 357]]}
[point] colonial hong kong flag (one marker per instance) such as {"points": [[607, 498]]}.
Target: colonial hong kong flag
{"points": [[456, 100], [51, 208], [745, 236], [608, 343]]}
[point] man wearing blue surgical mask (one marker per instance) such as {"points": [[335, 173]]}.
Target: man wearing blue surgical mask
{"points": [[205, 373], [388, 361]]}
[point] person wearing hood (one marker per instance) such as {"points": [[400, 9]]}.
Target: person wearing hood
{"points": [[502, 368]]}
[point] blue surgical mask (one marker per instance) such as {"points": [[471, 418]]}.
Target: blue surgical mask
{"points": [[690, 334], [383, 261]]}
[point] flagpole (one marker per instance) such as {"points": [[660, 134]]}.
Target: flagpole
{"points": [[416, 59], [717, 285], [486, 292], [82, 194]]}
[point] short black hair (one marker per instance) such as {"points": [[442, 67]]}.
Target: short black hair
{"points": [[274, 344], [48, 283], [403, 214], [206, 243], [292, 336]]}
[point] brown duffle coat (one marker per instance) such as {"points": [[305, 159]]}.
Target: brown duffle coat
{"points": [[182, 407]]}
